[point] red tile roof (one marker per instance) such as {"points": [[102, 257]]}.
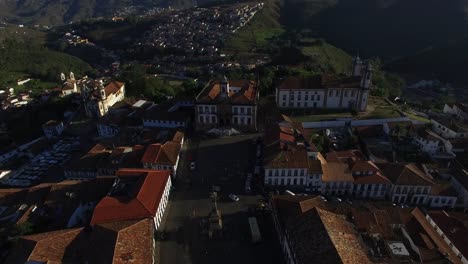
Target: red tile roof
{"points": [[117, 242], [165, 154], [405, 174], [151, 153], [143, 201], [113, 87], [287, 138], [246, 95]]}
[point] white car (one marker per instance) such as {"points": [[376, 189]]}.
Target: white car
{"points": [[234, 197], [192, 165]]}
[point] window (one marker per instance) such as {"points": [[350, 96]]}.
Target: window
{"points": [[313, 97], [318, 97], [270, 173], [315, 105], [353, 93], [294, 182], [249, 111], [206, 109], [213, 119], [346, 93], [282, 173], [295, 172], [298, 104], [248, 121], [306, 97], [330, 93], [337, 93], [213, 109], [242, 121], [242, 110], [284, 97], [289, 173], [299, 96], [201, 119], [284, 104]]}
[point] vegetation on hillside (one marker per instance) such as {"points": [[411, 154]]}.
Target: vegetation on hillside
{"points": [[139, 83], [21, 59], [256, 35]]}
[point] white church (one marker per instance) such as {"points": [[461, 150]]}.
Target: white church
{"points": [[327, 91]]}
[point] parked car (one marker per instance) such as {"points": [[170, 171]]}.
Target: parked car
{"points": [[192, 165], [234, 197]]}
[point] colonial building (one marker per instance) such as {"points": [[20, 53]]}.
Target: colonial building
{"points": [[227, 104], [328, 92], [136, 194], [410, 184], [450, 128], [433, 144], [98, 98], [368, 179]]}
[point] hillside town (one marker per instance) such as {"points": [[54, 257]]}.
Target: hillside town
{"points": [[219, 170], [173, 148]]}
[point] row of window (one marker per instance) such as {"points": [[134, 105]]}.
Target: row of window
{"points": [[306, 97], [337, 93], [168, 122], [412, 189], [242, 120], [441, 201], [298, 104], [286, 181], [242, 110], [295, 172], [206, 109], [207, 119]]}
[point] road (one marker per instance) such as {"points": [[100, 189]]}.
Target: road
{"points": [[223, 162]]}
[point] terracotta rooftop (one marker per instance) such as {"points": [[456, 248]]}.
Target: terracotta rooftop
{"points": [[291, 157], [165, 154], [118, 242], [140, 201], [113, 87], [246, 95], [293, 205], [405, 174], [336, 172], [438, 240], [319, 236]]}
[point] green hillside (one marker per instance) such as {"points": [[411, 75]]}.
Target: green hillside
{"points": [[256, 34], [18, 59], [325, 56]]}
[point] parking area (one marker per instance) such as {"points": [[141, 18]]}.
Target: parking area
{"points": [[37, 167], [222, 163]]}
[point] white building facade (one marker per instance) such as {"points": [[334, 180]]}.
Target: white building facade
{"points": [[328, 93], [162, 204]]}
